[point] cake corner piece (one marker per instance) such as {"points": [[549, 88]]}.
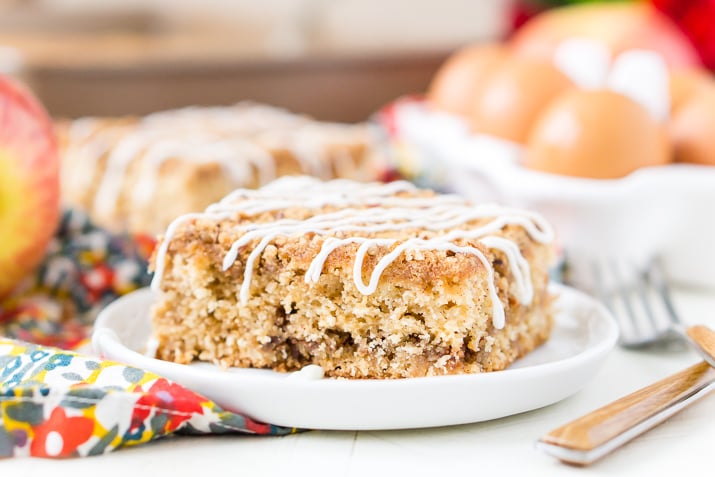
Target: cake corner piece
{"points": [[364, 280]]}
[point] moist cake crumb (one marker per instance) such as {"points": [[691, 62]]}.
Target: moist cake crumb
{"points": [[364, 280]]}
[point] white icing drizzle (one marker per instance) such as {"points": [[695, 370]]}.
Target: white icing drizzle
{"points": [[307, 148], [238, 138], [220, 150], [310, 372], [124, 152], [441, 223], [164, 245], [87, 141], [81, 129]]}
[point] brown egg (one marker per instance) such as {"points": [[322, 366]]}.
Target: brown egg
{"points": [[514, 95], [459, 79], [599, 134], [692, 128], [684, 83]]}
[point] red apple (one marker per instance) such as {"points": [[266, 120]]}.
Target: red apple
{"points": [[620, 26], [29, 183]]}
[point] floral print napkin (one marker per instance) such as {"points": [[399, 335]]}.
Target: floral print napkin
{"points": [[58, 403], [84, 269]]}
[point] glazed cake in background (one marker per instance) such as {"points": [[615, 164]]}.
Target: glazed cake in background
{"points": [[137, 174], [365, 280]]}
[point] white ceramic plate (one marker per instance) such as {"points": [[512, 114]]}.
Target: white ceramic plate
{"points": [[584, 332], [662, 212]]}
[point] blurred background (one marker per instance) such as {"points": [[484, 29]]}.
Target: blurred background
{"points": [[337, 59], [334, 59]]}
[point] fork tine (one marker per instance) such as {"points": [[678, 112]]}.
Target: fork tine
{"points": [[649, 297], [641, 305], [606, 292], [642, 331], [657, 279]]}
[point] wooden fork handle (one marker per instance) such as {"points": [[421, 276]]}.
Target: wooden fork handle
{"points": [[704, 340], [594, 435]]}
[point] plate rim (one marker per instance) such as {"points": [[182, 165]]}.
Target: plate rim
{"points": [[385, 404], [105, 338]]}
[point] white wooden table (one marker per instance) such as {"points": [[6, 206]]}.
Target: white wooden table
{"points": [[684, 445]]}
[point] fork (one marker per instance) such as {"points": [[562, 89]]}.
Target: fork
{"points": [[598, 433], [640, 301]]}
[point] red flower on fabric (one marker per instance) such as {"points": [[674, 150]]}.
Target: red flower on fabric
{"points": [[59, 435], [165, 397], [97, 281], [145, 245], [257, 427]]}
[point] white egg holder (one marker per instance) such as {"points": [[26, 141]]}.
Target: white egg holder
{"points": [[661, 212]]}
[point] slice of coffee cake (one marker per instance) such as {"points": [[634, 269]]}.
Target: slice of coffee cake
{"points": [[364, 280]]}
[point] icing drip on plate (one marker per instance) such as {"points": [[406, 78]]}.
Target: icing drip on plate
{"points": [[366, 215]]}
